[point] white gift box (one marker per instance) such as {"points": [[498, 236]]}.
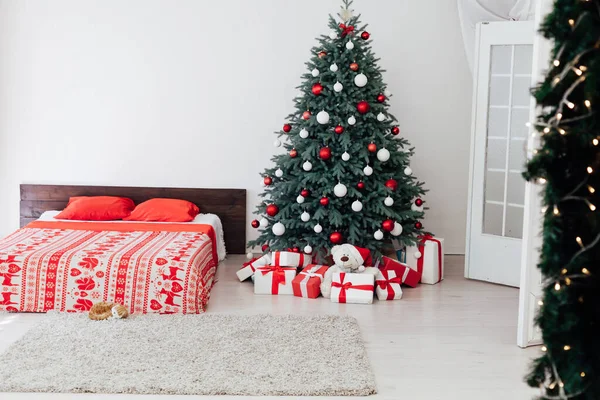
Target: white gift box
{"points": [[248, 269], [427, 258], [352, 288], [274, 280], [290, 259], [387, 285]]}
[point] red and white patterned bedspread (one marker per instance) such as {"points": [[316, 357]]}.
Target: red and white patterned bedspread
{"points": [[68, 266]]}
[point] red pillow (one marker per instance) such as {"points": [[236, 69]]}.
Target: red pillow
{"points": [[97, 208], [164, 210]]}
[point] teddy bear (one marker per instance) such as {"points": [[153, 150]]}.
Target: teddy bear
{"points": [[346, 258], [102, 310]]}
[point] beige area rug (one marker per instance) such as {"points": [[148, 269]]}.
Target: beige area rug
{"points": [[210, 354]]}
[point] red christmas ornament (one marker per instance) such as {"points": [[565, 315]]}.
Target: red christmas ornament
{"points": [[306, 115], [380, 98], [395, 131], [325, 153], [354, 67], [392, 184], [293, 153], [336, 238], [272, 210], [339, 129], [363, 107], [268, 181], [387, 225], [418, 202], [317, 89], [305, 193], [264, 247], [322, 54], [365, 35], [360, 185], [296, 250], [372, 147], [255, 224], [418, 225], [324, 201], [287, 128]]}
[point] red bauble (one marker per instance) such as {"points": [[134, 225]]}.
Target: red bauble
{"points": [[272, 210], [336, 238], [255, 224], [324, 201], [372, 147], [418, 225], [305, 193], [264, 247], [365, 35], [392, 184], [325, 153], [322, 54], [363, 107], [360, 185], [296, 250], [317, 89], [354, 67], [287, 128], [418, 202], [339, 129], [306, 115], [268, 181], [380, 98], [395, 130], [387, 225], [293, 153]]}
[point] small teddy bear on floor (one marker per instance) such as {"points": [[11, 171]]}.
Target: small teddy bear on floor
{"points": [[346, 258], [102, 310]]}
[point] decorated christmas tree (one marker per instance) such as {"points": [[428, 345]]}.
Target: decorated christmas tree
{"points": [[567, 165], [345, 175]]}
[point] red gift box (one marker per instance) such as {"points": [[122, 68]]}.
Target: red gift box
{"points": [[308, 282], [407, 275]]}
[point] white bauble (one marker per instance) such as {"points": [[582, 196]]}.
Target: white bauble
{"points": [[418, 254], [383, 155], [397, 231], [350, 45], [278, 229], [264, 222], [381, 117], [345, 156], [387, 93], [279, 173], [315, 72], [249, 256], [368, 171], [340, 190], [357, 206], [338, 87], [307, 166], [361, 80], [333, 67], [407, 171], [262, 183], [303, 133], [388, 201], [300, 199], [323, 117], [416, 208], [378, 235], [277, 143], [333, 35], [351, 120], [305, 217], [307, 249], [318, 228]]}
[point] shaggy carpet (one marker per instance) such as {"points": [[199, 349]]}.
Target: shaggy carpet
{"points": [[191, 355]]}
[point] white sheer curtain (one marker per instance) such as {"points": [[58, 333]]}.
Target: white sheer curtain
{"points": [[473, 11]]}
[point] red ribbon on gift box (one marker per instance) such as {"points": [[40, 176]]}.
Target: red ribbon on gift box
{"points": [[277, 254], [422, 240], [278, 276], [348, 285], [387, 284], [346, 30], [249, 264]]}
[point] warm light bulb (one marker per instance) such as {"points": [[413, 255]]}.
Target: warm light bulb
{"points": [[582, 374], [579, 241], [556, 80], [567, 347], [556, 63], [561, 384], [540, 303], [585, 271], [559, 116], [583, 67], [555, 211], [544, 209], [552, 385], [541, 181], [571, 105], [568, 281], [564, 271], [591, 189], [595, 142], [546, 130], [578, 71], [571, 22], [544, 348], [590, 170], [588, 103], [592, 207], [557, 286], [562, 132]]}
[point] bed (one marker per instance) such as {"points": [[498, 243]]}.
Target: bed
{"points": [[60, 265]]}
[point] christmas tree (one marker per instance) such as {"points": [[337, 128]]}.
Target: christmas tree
{"points": [[345, 176], [567, 163]]}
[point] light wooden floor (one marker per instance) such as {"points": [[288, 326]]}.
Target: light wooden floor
{"points": [[455, 340]]}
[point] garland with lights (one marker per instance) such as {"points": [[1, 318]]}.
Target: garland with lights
{"points": [[566, 164]]}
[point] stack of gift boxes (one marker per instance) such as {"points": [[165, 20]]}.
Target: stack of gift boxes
{"points": [[277, 274]]}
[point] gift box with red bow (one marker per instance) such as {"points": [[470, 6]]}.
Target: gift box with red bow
{"points": [[248, 268], [272, 279], [387, 285], [407, 275], [290, 259], [427, 258], [352, 288], [308, 282]]}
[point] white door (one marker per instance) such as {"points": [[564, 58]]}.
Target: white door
{"points": [[501, 110]]}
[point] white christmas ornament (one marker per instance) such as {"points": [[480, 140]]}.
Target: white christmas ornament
{"points": [[264, 222], [315, 72], [340, 190], [350, 45], [345, 156], [333, 67], [361, 80], [407, 171], [305, 216], [378, 235], [323, 117], [397, 231], [383, 155], [307, 166], [357, 206], [416, 208], [249, 256], [307, 249], [351, 120], [277, 143], [333, 35], [388, 201], [318, 228], [262, 183], [279, 173], [387, 93], [300, 199], [368, 171], [303, 133], [418, 254], [381, 117], [278, 229], [338, 87]]}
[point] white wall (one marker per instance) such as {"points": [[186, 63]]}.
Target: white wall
{"points": [[187, 93]]}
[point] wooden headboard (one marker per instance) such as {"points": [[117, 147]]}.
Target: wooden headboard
{"points": [[228, 204]]}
